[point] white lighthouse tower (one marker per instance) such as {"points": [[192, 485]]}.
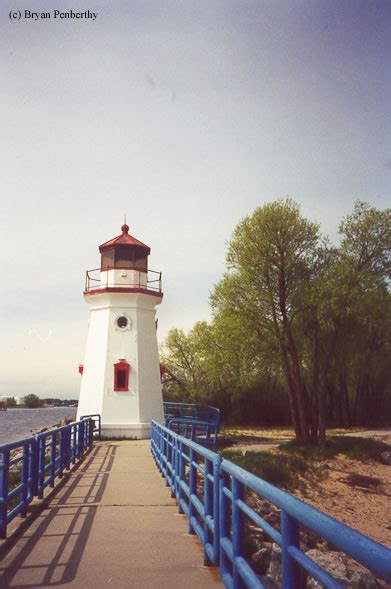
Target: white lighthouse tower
{"points": [[121, 372]]}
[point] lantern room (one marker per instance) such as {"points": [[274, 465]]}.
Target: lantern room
{"points": [[124, 252], [124, 264]]}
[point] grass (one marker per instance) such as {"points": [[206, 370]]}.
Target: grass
{"points": [[282, 471], [226, 440], [362, 449], [292, 464]]}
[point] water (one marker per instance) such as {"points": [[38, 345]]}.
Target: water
{"points": [[16, 424]]}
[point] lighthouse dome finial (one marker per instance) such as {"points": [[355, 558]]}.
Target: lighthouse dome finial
{"points": [[125, 228]]}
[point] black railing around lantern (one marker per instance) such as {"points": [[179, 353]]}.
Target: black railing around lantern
{"points": [[103, 278]]}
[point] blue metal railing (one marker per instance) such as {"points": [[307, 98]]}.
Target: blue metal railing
{"points": [[192, 472], [200, 423], [224, 510], [97, 423], [28, 466], [191, 411]]}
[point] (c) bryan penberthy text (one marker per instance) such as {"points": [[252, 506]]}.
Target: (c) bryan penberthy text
{"points": [[60, 14]]}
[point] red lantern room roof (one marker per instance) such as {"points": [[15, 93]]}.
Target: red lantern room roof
{"points": [[124, 239]]}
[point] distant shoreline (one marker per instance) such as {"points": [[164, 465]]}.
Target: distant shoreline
{"points": [[18, 423]]}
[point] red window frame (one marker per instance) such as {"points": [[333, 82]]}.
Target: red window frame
{"points": [[121, 367]]}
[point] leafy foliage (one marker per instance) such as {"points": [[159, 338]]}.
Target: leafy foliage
{"points": [[301, 328], [32, 401]]}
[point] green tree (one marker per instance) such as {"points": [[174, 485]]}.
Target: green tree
{"points": [[11, 402], [294, 310], [273, 255], [354, 309], [32, 401]]}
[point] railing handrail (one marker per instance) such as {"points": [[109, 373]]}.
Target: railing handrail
{"points": [[168, 450], [99, 284], [67, 444], [212, 412], [96, 417], [107, 268], [190, 443], [16, 443], [200, 423], [347, 539], [294, 513]]}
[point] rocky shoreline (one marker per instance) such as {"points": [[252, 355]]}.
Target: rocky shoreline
{"points": [[264, 555]]}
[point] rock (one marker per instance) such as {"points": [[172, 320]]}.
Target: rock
{"points": [[311, 540], [362, 580], [313, 584], [386, 457], [254, 539], [260, 560], [269, 583], [335, 563], [255, 531], [273, 518], [275, 568], [264, 508]]}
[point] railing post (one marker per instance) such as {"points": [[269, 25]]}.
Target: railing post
{"points": [[182, 473], [290, 533], [216, 509], [166, 452], [66, 452], [81, 438], [192, 489], [177, 466], [34, 466], [25, 479], [53, 448], [74, 443], [173, 464], [209, 507], [159, 448], [169, 459], [61, 452], [161, 452], [89, 428], [92, 427], [4, 469], [225, 527], [41, 442], [85, 435], [237, 530]]}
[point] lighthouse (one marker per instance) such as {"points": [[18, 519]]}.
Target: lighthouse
{"points": [[121, 372]]}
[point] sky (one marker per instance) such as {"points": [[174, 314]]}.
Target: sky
{"points": [[186, 116]]}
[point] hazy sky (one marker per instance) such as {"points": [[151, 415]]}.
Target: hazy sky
{"points": [[186, 115]]}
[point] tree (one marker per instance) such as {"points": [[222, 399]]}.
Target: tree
{"points": [[271, 258], [227, 365], [11, 402], [294, 309], [355, 309], [32, 401]]}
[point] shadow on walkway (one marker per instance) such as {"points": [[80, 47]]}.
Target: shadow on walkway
{"points": [[64, 527]]}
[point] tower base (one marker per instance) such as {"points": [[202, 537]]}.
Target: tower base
{"points": [[131, 431]]}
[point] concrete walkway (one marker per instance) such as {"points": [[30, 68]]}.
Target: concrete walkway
{"points": [[113, 524]]}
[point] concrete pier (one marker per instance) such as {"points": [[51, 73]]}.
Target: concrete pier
{"points": [[112, 524]]}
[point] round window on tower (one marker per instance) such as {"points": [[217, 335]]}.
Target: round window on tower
{"points": [[122, 322]]}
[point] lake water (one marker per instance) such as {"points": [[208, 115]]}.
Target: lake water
{"points": [[16, 424]]}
